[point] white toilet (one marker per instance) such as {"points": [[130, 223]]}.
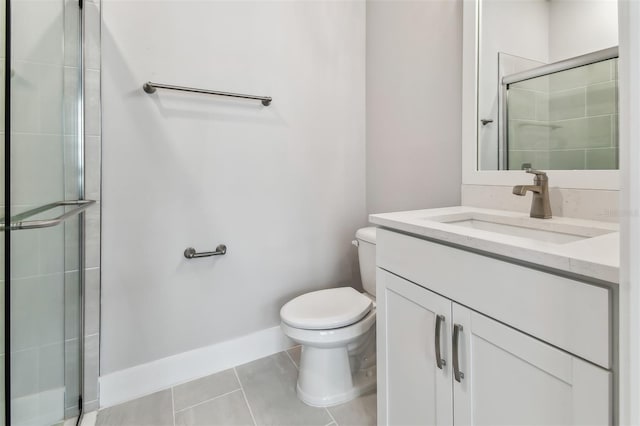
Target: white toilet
{"points": [[336, 328]]}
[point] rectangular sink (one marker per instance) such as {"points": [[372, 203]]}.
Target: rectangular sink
{"points": [[519, 231], [546, 230]]}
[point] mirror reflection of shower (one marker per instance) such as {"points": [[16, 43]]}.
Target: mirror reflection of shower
{"points": [[517, 36], [562, 116]]}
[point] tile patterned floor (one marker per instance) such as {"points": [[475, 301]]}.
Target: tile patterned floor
{"points": [[260, 393]]}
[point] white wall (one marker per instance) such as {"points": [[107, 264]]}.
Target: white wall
{"points": [[577, 27], [414, 54], [282, 186]]}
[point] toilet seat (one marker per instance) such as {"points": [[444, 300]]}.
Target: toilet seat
{"points": [[326, 309]]}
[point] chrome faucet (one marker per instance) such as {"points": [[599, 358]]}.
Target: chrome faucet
{"points": [[540, 206]]}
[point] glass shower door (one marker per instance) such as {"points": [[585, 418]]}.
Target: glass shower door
{"points": [[44, 268]]}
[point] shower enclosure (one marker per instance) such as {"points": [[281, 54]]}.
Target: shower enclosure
{"points": [[42, 225]]}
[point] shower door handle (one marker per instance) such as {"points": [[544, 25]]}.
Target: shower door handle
{"points": [[18, 222]]}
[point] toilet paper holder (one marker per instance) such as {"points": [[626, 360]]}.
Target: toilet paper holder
{"points": [[191, 253]]}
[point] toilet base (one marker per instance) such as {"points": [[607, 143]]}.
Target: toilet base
{"points": [[331, 376], [365, 382]]}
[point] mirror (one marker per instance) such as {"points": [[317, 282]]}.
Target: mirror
{"points": [[547, 85]]}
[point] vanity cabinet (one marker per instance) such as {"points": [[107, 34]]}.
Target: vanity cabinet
{"points": [[418, 391], [508, 375], [513, 379]]}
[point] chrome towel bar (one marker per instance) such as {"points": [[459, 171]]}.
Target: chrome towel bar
{"points": [[18, 222], [191, 253], [150, 87]]}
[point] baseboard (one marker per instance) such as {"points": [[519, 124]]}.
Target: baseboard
{"points": [[134, 382], [90, 406]]}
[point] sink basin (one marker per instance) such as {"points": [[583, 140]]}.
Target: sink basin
{"points": [[520, 231], [546, 230]]}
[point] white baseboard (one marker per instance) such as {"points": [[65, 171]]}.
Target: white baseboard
{"points": [[134, 382]]}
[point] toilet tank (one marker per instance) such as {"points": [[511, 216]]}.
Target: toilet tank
{"points": [[366, 238]]}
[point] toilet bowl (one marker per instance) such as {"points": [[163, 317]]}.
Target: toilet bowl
{"points": [[336, 329]]}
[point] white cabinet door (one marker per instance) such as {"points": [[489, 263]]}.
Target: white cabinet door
{"points": [[413, 389], [512, 379]]}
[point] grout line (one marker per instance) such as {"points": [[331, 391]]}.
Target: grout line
{"points": [[173, 407], [291, 358], [245, 397], [526, 120], [205, 401]]}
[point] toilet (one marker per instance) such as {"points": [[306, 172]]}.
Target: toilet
{"points": [[336, 328]]}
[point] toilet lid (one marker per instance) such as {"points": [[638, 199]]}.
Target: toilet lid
{"points": [[326, 309]]}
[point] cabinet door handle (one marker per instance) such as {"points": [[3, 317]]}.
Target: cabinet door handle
{"points": [[457, 374], [439, 361]]}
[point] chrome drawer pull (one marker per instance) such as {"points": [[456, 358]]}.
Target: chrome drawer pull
{"points": [[457, 374], [439, 361]]}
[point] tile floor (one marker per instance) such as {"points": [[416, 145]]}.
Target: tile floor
{"points": [[262, 392]]}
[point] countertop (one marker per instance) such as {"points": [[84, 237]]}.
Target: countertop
{"points": [[596, 257]]}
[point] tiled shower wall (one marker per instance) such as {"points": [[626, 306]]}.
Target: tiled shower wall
{"points": [[37, 135], [92, 176], [565, 121]]}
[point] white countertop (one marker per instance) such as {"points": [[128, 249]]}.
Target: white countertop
{"points": [[597, 257]]}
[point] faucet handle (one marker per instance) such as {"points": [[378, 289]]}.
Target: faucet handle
{"points": [[535, 172]]}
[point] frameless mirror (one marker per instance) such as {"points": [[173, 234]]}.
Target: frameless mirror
{"points": [[547, 85]]}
